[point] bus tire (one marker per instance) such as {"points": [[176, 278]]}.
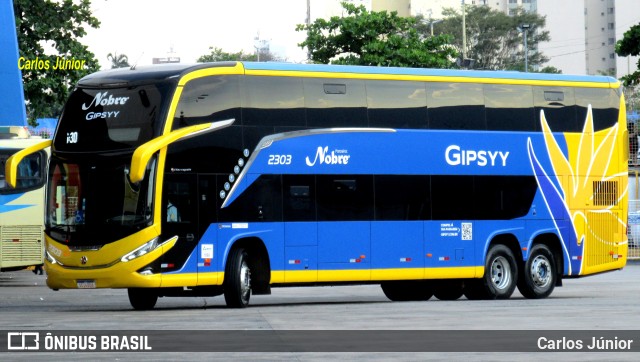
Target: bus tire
{"points": [[405, 291], [500, 276], [142, 298], [448, 289], [237, 279], [538, 277]]}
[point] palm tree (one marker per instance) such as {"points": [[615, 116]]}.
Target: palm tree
{"points": [[118, 60]]}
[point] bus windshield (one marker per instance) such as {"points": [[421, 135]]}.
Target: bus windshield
{"points": [[94, 203], [98, 120]]}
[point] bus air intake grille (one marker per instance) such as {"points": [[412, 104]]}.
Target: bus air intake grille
{"points": [[605, 193], [21, 244], [600, 243]]}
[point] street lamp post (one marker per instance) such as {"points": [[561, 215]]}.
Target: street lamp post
{"points": [[525, 28]]}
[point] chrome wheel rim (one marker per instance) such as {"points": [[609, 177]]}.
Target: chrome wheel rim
{"points": [[540, 271], [245, 281], [500, 273]]}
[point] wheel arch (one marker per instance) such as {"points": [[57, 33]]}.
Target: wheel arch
{"points": [[552, 241], [510, 241], [259, 263]]}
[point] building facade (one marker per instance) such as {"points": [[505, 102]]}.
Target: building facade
{"points": [[583, 32]]}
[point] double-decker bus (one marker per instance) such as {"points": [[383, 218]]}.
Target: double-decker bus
{"points": [[21, 207], [233, 178]]}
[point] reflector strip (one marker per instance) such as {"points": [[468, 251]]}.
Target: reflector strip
{"points": [[405, 260], [443, 258], [294, 261]]}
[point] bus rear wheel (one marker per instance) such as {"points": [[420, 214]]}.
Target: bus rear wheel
{"points": [[500, 276], [407, 290], [539, 275], [142, 298], [237, 279]]}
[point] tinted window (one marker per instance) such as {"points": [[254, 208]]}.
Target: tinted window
{"points": [[397, 104], [262, 201], [208, 99], [558, 104], [452, 197], [273, 101], [212, 152], [30, 171], [604, 104], [509, 107], [299, 197], [110, 119], [503, 197], [344, 197], [335, 103], [402, 197], [455, 106]]}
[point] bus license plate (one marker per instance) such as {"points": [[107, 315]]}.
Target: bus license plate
{"points": [[86, 284]]}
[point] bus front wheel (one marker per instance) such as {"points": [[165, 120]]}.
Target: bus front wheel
{"points": [[142, 298], [539, 274], [237, 279]]}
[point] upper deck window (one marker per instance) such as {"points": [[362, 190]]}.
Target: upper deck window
{"points": [[208, 99], [109, 118]]}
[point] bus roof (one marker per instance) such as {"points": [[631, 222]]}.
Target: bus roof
{"points": [[147, 74]]}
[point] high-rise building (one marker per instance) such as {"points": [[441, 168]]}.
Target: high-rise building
{"points": [[583, 32]]}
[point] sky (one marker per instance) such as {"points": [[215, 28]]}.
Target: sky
{"points": [[146, 29]]}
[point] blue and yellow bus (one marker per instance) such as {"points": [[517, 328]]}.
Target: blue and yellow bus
{"points": [[233, 178], [22, 207]]}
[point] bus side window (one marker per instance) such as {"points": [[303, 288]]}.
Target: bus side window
{"points": [[273, 101], [299, 199], [30, 171], [509, 107], [208, 99], [335, 102], [559, 106], [345, 197], [457, 106], [397, 104], [604, 105]]}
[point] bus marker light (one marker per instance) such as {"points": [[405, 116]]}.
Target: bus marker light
{"points": [[429, 255], [525, 248], [444, 258], [405, 260]]}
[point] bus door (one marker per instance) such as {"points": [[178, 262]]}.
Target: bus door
{"points": [[179, 217]]}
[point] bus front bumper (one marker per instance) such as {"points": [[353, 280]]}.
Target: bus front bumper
{"points": [[120, 274]]}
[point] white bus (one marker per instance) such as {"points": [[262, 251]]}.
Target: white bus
{"points": [[22, 208]]}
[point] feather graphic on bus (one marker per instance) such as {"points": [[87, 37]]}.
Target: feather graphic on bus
{"points": [[5, 200], [587, 167]]}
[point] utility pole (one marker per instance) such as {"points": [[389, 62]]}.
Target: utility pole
{"points": [[525, 28], [464, 34]]}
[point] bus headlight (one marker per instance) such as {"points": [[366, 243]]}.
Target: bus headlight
{"points": [[144, 249], [50, 258]]}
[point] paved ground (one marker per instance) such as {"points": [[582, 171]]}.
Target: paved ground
{"points": [[608, 301]]}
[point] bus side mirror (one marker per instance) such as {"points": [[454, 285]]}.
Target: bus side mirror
{"points": [[143, 153], [11, 167]]}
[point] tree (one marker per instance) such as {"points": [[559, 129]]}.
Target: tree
{"points": [[58, 26], [118, 60], [630, 46], [494, 40], [374, 38], [218, 55]]}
